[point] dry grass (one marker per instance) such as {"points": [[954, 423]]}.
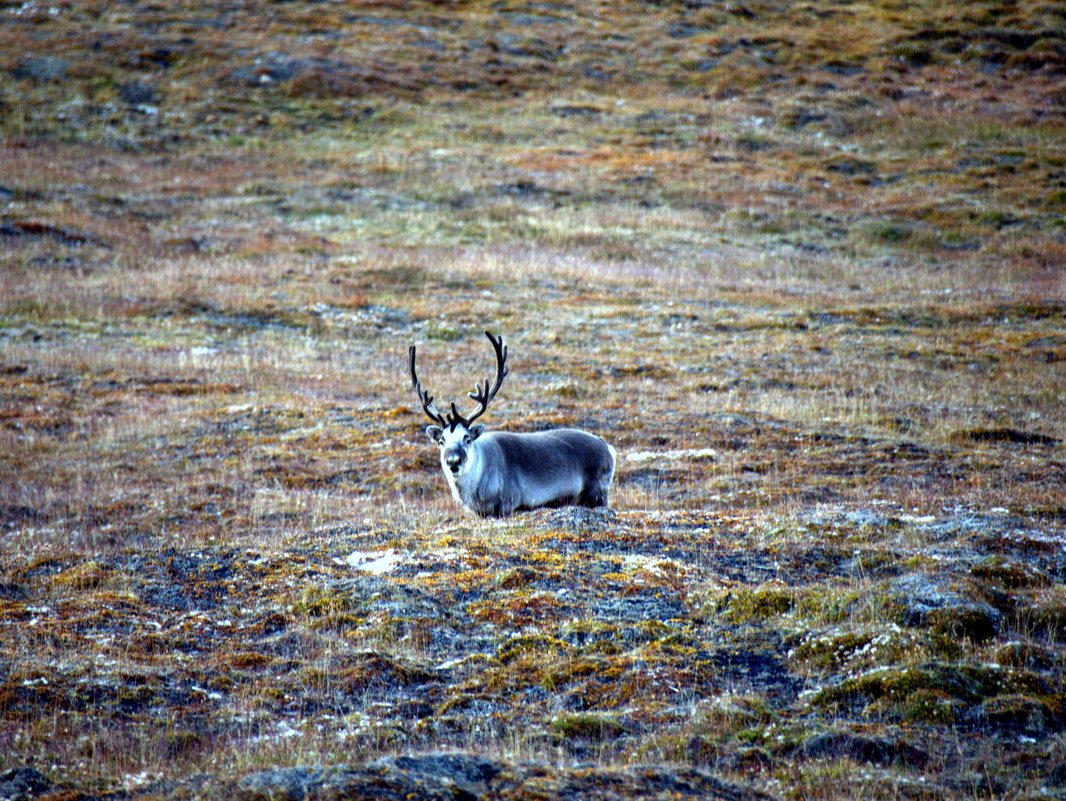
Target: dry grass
{"points": [[803, 263]]}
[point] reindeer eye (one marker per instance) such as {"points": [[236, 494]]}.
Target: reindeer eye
{"points": [[466, 440]]}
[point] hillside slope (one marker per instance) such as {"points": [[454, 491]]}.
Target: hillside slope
{"points": [[801, 264]]}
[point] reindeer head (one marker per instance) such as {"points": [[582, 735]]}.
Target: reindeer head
{"points": [[453, 433]]}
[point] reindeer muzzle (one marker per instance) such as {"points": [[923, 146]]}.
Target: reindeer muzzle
{"points": [[454, 460]]}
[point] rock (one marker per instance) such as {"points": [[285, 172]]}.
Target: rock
{"points": [[1028, 655], [10, 591], [955, 526], [1003, 574], [431, 777], [974, 621], [1012, 436], [648, 606], [450, 777], [1018, 714], [576, 111], [595, 727], [860, 748], [41, 69], [280, 784], [321, 77], [744, 759], [652, 781], [867, 519], [138, 93], [923, 601], [33, 228], [522, 189], [1049, 616], [456, 775], [579, 519], [20, 784], [1058, 775]]}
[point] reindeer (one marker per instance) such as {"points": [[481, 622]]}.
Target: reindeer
{"points": [[496, 474]]}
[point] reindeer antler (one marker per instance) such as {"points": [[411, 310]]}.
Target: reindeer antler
{"points": [[482, 394], [424, 397]]}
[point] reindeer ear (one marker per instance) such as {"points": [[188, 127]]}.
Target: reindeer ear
{"points": [[434, 433], [476, 430]]}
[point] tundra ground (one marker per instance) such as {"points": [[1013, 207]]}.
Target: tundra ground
{"points": [[801, 264]]}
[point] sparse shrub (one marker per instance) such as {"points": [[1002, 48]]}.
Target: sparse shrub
{"points": [[596, 636], [516, 578], [829, 651], [595, 727], [248, 660], [326, 607], [889, 233], [744, 605], [1048, 615], [539, 645], [831, 606], [996, 219], [378, 671], [731, 712], [897, 685], [181, 744], [83, 576], [930, 706]]}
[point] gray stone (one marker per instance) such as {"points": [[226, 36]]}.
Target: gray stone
{"points": [[42, 69], [924, 601], [138, 93], [1019, 714], [462, 774], [968, 620], [861, 748], [21, 784], [280, 784]]}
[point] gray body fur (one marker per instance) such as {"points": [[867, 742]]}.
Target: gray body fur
{"points": [[505, 473]]}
